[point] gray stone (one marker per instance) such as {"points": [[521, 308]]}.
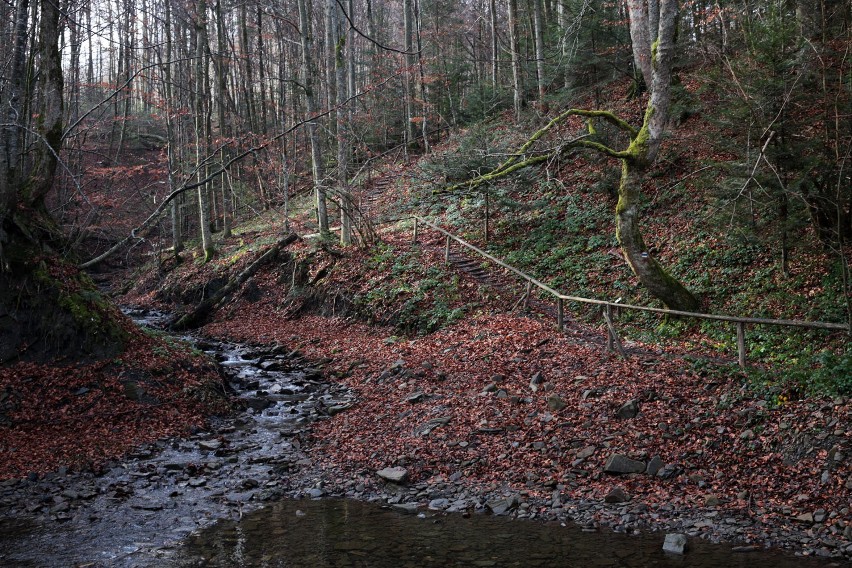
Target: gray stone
{"points": [[393, 474], [503, 505], [628, 410], [410, 508], [337, 409], [439, 504], [675, 543], [805, 518], [316, 493], [747, 434], [490, 387], [586, 452], [618, 463], [711, 501], [417, 396], [425, 429], [820, 515], [655, 465], [617, 495], [555, 403], [209, 444], [535, 381], [258, 404]]}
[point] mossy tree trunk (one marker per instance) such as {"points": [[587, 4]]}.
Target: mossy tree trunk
{"points": [[645, 146], [47, 308], [636, 160]]}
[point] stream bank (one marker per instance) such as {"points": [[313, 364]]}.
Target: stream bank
{"points": [[143, 510], [142, 507]]}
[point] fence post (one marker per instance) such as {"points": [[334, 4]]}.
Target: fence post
{"points": [[447, 250], [741, 345], [609, 338], [560, 314], [415, 230]]}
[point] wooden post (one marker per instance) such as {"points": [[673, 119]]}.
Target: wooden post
{"points": [[560, 314], [415, 231], [612, 335], [609, 338], [487, 219], [447, 250], [741, 346]]}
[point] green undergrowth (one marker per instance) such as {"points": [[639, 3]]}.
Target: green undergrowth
{"points": [[401, 288], [559, 228]]}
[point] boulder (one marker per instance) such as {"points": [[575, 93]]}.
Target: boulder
{"points": [[503, 506], [675, 543], [555, 403], [628, 410], [586, 452], [393, 474], [617, 495], [618, 464], [535, 381], [655, 465]]}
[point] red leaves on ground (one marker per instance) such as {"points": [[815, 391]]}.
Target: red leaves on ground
{"points": [[82, 415]]}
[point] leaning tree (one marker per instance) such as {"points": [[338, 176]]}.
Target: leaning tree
{"points": [[653, 27], [46, 306]]}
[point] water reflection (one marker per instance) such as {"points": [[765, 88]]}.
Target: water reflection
{"points": [[341, 533]]}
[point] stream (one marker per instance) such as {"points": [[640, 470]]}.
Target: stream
{"points": [[224, 497]]}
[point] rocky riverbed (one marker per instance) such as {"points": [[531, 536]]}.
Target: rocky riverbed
{"points": [[139, 511]]}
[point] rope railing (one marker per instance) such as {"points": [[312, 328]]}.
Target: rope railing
{"points": [[608, 307]]}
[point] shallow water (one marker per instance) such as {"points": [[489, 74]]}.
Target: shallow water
{"points": [[345, 533]]}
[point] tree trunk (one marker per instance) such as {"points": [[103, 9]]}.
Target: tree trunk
{"points": [[640, 36], [517, 71], [539, 49], [200, 138], [308, 76], [643, 151], [495, 53]]}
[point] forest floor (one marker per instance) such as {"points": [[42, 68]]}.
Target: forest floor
{"points": [[501, 403], [465, 394]]}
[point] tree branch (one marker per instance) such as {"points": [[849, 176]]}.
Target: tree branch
{"points": [[188, 185]]}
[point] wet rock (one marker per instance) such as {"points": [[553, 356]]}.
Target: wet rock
{"points": [[257, 404], [409, 508], [316, 492], [617, 495], [503, 506], [621, 464], [629, 409], [197, 481], [675, 543], [555, 404], [820, 515], [210, 444], [440, 504], [393, 474]]}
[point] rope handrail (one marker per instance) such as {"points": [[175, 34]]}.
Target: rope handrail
{"points": [[609, 304]]}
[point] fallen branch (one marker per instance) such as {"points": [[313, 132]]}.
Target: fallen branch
{"points": [[199, 314]]}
